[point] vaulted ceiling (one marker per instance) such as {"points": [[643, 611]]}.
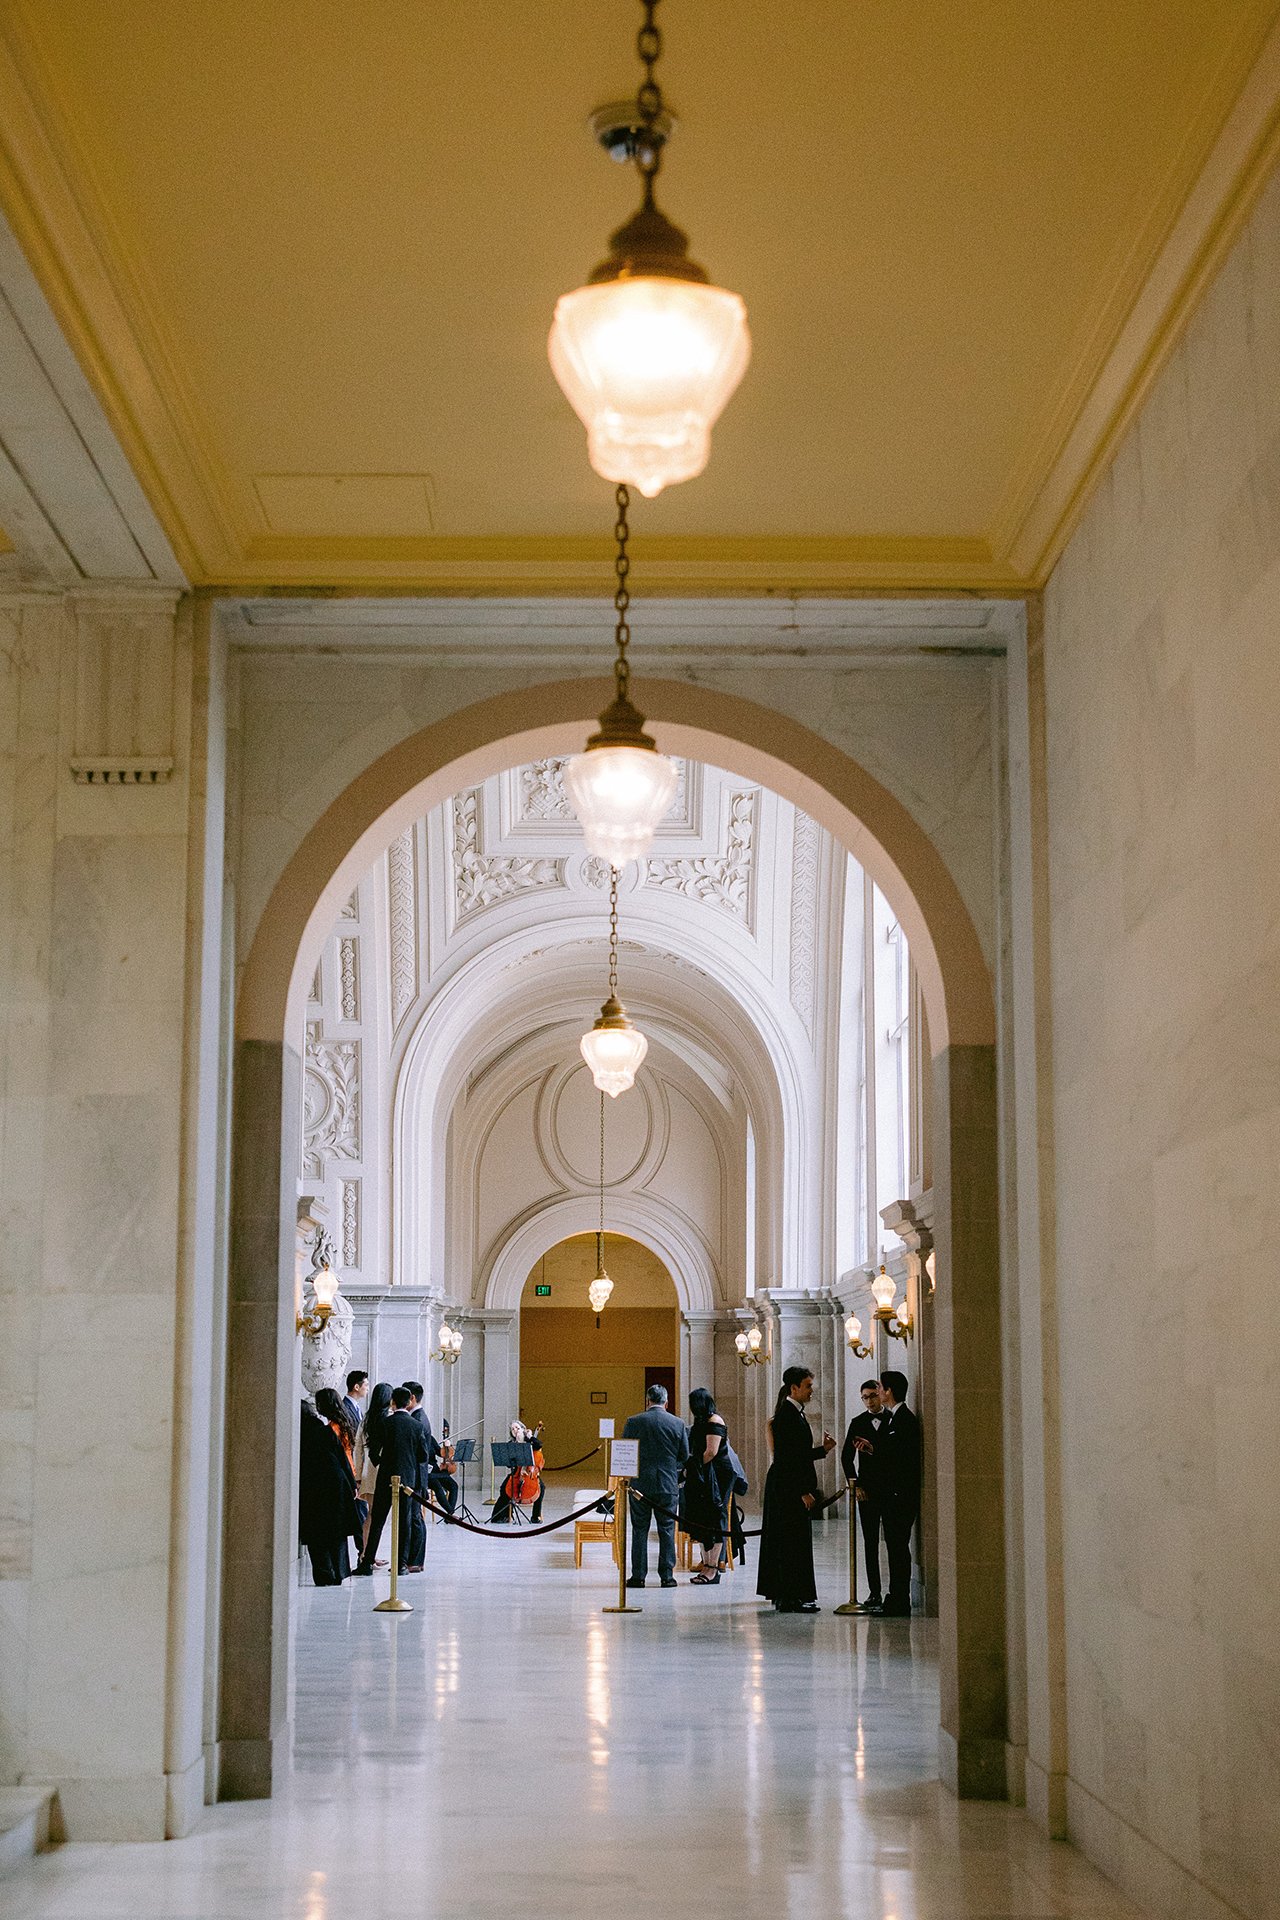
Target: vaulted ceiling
{"points": [[308, 254]]}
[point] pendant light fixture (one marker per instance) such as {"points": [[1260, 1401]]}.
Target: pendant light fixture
{"points": [[602, 1286], [621, 788], [649, 352], [614, 1048]]}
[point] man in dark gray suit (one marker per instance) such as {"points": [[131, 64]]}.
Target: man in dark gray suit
{"points": [[655, 1493]]}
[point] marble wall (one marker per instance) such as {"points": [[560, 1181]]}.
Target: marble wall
{"points": [[97, 1565], [1162, 676]]}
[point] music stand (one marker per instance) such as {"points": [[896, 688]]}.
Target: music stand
{"points": [[511, 1454], [463, 1453]]}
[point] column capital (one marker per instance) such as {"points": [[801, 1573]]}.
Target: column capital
{"points": [[912, 1221]]}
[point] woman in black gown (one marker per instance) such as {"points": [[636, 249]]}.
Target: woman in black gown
{"points": [[708, 1479], [790, 1494], [326, 1500]]}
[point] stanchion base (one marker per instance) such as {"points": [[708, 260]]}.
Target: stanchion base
{"points": [[622, 1609], [850, 1606], [393, 1606]]}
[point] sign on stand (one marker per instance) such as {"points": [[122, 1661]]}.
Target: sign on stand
{"points": [[606, 1429], [624, 1459]]}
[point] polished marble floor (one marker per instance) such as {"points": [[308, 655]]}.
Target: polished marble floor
{"points": [[509, 1750]]}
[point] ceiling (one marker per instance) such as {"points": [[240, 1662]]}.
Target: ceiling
{"points": [[308, 256]]}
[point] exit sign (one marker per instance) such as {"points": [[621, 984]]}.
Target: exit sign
{"points": [[543, 1293]]}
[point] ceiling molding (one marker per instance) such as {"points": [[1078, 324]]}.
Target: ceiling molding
{"points": [[111, 317], [1201, 226]]}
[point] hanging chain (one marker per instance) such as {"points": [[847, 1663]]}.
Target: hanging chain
{"points": [[600, 1233], [613, 931], [622, 595], [649, 99]]}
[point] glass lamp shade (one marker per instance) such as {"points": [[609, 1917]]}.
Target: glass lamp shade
{"points": [[613, 1050], [740, 1342], [853, 1327], [456, 1342], [621, 795], [324, 1284], [648, 363], [754, 1339], [446, 1335], [599, 1290], [883, 1289]]}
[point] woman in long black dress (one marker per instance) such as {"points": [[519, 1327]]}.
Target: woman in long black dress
{"points": [[326, 1500], [790, 1494], [704, 1497]]}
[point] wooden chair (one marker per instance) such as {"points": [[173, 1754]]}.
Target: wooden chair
{"points": [[594, 1526]]}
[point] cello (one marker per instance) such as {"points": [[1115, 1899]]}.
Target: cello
{"points": [[523, 1484]]}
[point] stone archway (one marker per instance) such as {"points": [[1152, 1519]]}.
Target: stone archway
{"points": [[878, 829]]}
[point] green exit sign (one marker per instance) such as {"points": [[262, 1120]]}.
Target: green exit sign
{"points": [[543, 1293]]}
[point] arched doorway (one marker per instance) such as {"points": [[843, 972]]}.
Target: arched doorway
{"points": [[578, 1367], [869, 821]]}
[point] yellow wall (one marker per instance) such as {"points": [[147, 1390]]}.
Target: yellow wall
{"points": [[565, 1356]]}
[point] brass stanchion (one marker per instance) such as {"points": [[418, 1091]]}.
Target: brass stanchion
{"points": [[392, 1604], [852, 1605], [624, 1487]]}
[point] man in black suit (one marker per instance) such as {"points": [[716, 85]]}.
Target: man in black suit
{"points": [[404, 1454], [356, 1394], [442, 1486], [899, 1489], [655, 1492], [864, 1466]]}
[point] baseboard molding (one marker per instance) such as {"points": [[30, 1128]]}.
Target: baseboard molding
{"points": [[973, 1768], [129, 1807], [1151, 1877], [1046, 1798], [184, 1800], [244, 1769]]}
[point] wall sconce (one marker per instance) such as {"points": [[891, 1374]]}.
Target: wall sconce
{"points": [[931, 1269], [450, 1345], [896, 1321], [324, 1284], [853, 1334], [751, 1348]]}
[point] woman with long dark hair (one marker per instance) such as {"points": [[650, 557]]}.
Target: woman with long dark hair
{"points": [[326, 1499], [790, 1495], [704, 1497]]}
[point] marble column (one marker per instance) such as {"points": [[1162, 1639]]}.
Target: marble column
{"points": [[968, 1416], [699, 1329], [802, 1338]]}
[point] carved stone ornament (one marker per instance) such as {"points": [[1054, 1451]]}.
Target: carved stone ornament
{"points": [[543, 798], [402, 897], [718, 880], [330, 1101], [804, 919], [349, 977], [481, 880]]}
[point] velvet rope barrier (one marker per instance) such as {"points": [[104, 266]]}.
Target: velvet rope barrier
{"points": [[566, 1464], [500, 1533]]}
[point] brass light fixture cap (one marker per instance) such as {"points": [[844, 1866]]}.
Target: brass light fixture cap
{"points": [[613, 1015], [620, 129], [649, 245], [621, 725]]}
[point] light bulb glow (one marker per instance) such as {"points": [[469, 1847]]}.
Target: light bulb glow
{"points": [[446, 1334], [455, 1341], [883, 1288], [648, 364], [853, 1327], [754, 1339], [324, 1284], [598, 1292], [740, 1342], [614, 1055], [621, 795]]}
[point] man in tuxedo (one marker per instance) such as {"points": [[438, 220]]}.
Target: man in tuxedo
{"points": [[655, 1492], [899, 1490], [863, 1465], [442, 1486], [356, 1394], [404, 1454]]}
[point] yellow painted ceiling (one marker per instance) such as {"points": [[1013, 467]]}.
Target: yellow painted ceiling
{"points": [[309, 254]]}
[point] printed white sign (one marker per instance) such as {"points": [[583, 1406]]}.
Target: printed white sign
{"points": [[624, 1459], [606, 1429]]}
